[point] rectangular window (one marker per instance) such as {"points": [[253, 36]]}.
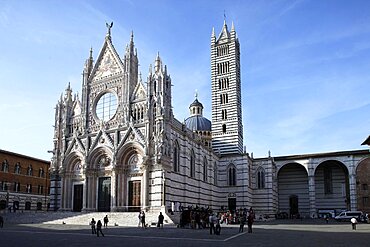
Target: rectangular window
{"points": [[328, 181], [365, 201], [364, 187]]}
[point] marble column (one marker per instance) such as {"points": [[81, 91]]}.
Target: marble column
{"points": [[84, 195], [352, 192], [114, 192], [145, 188]]}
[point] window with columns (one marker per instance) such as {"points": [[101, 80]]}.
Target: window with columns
{"points": [[231, 175], [176, 157], [260, 178], [192, 164], [205, 169]]}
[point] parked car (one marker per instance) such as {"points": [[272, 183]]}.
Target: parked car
{"points": [[282, 215], [348, 215], [364, 218]]}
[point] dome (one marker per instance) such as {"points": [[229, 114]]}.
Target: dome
{"points": [[198, 123], [196, 103]]}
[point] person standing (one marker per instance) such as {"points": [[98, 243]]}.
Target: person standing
{"points": [[92, 224], [354, 223], [143, 219], [211, 224], [106, 221], [160, 220], [139, 224], [217, 225], [98, 228], [250, 222], [242, 222]]}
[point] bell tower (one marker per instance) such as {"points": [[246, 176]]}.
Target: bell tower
{"points": [[227, 126]]}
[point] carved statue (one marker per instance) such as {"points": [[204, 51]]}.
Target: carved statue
{"points": [[109, 26]]}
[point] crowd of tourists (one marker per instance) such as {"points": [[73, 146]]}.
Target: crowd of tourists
{"points": [[201, 218]]}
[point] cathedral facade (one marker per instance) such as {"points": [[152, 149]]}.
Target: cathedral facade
{"points": [[120, 148]]}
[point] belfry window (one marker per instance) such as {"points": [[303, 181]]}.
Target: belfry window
{"points": [[224, 128]]}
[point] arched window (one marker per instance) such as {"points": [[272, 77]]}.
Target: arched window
{"points": [[17, 168], [41, 173], [205, 169], [192, 164], [260, 178], [5, 166], [215, 173], [224, 128], [176, 157], [231, 175], [29, 170], [27, 206]]}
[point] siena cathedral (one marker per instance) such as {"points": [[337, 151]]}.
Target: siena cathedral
{"points": [[119, 147]]}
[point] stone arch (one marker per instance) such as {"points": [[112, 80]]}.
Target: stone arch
{"points": [[332, 185], [128, 153], [96, 156], [293, 183], [363, 184], [72, 160]]}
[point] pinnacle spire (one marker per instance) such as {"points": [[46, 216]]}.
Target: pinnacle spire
{"points": [[232, 26], [213, 32], [91, 52], [157, 64]]}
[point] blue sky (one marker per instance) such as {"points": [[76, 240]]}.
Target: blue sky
{"points": [[305, 65]]}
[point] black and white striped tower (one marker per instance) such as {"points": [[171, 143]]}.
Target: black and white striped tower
{"points": [[227, 127]]}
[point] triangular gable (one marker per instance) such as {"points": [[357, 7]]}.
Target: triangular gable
{"points": [[102, 138], [75, 144], [131, 134], [139, 92], [108, 62], [224, 35]]}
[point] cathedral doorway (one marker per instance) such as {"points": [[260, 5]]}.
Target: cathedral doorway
{"points": [[293, 205], [232, 204], [77, 197], [134, 194], [104, 194]]}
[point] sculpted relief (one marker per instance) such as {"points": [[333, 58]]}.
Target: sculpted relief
{"points": [[107, 66]]}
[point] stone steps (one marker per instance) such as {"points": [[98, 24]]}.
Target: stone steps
{"points": [[77, 218]]}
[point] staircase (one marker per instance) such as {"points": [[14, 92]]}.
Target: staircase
{"points": [[78, 218]]}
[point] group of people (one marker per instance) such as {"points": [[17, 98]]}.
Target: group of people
{"points": [[246, 217], [143, 224], [97, 226]]}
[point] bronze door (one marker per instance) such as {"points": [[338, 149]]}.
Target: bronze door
{"points": [[104, 194], [77, 197], [134, 193]]}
